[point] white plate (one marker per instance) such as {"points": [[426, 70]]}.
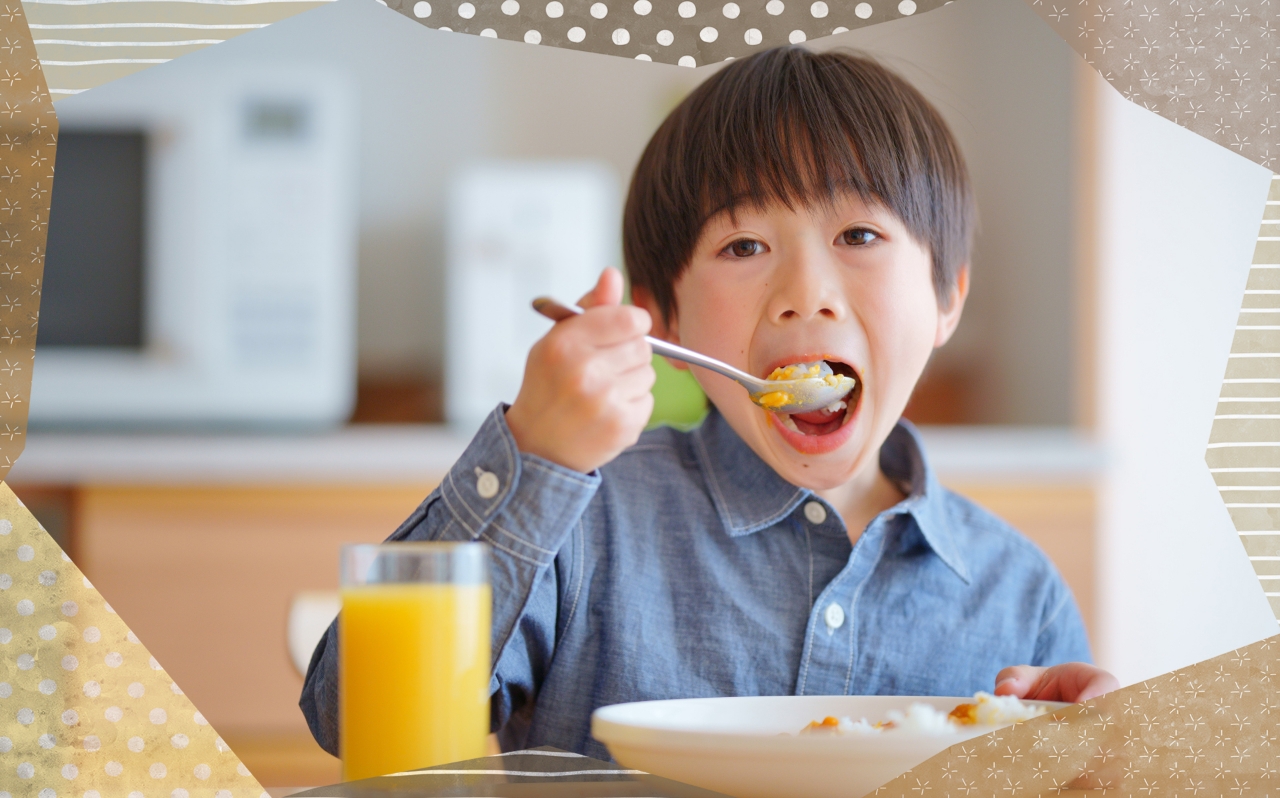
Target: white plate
{"points": [[732, 745]]}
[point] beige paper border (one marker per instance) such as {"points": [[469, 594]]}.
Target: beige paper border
{"points": [[28, 138], [1212, 729], [1178, 721]]}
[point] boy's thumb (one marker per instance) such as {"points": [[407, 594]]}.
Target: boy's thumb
{"points": [[607, 291]]}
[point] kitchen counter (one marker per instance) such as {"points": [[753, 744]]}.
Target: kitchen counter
{"points": [[406, 454]]}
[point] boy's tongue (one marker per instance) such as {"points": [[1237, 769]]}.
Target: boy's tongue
{"points": [[818, 422]]}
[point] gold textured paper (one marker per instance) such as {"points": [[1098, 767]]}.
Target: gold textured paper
{"points": [[85, 709], [1209, 730]]}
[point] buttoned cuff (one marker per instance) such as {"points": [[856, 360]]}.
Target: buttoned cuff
{"points": [[518, 503]]}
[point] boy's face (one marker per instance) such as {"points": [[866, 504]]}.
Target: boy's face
{"points": [[846, 284]]}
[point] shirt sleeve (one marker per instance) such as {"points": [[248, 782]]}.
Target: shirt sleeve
{"points": [[1062, 637], [525, 522]]}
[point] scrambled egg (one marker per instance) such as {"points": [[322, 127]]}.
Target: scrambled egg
{"points": [[796, 372], [775, 399]]}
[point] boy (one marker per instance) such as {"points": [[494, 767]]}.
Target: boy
{"points": [[796, 207]]}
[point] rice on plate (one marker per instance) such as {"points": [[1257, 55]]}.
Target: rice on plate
{"points": [[986, 710]]}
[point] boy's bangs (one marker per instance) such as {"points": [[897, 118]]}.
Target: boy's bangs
{"points": [[784, 167], [798, 145]]}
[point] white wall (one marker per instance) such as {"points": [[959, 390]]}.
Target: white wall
{"points": [[1179, 221]]}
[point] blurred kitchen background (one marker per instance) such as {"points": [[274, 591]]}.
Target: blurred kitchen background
{"points": [[288, 274]]}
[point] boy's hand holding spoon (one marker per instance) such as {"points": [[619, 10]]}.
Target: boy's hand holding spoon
{"points": [[585, 395]]}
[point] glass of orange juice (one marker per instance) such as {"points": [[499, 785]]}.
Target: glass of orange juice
{"points": [[413, 650]]}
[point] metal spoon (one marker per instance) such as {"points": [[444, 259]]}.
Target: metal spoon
{"points": [[780, 396]]}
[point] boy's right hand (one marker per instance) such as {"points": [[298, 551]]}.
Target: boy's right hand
{"points": [[585, 395]]}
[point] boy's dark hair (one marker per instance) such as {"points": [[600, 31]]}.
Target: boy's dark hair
{"points": [[797, 127]]}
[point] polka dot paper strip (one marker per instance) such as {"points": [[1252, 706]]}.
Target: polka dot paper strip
{"points": [[85, 710], [689, 33], [28, 133], [1209, 730]]}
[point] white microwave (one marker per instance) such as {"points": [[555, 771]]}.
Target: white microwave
{"points": [[200, 269]]}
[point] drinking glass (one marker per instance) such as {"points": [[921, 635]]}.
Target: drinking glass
{"points": [[413, 651]]}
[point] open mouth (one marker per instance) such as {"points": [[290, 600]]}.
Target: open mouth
{"points": [[828, 419]]}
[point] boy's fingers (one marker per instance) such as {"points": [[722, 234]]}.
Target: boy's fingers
{"points": [[635, 383], [607, 291], [608, 326], [1017, 680], [1072, 682], [630, 354], [1097, 683]]}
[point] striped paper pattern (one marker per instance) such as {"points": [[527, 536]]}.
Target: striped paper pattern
{"points": [[85, 43], [1244, 445]]}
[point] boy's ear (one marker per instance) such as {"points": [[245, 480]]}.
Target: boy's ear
{"points": [[667, 331], [641, 298], [949, 315]]}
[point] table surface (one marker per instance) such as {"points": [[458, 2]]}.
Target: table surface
{"points": [[413, 454]]}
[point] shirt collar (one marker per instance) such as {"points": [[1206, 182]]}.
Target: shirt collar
{"points": [[749, 495]]}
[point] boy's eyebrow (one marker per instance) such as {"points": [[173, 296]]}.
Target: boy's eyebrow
{"points": [[823, 201]]}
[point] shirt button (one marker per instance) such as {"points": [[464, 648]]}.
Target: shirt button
{"points": [[487, 484], [816, 514], [834, 616]]}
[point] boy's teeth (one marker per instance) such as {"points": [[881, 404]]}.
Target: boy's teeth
{"points": [[788, 423], [836, 406]]}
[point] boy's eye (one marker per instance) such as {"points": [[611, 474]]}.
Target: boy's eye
{"points": [[857, 236], [744, 248]]}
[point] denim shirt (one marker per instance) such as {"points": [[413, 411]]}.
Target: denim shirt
{"points": [[688, 567]]}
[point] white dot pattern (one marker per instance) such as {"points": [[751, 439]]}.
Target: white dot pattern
{"points": [[85, 710], [685, 32]]}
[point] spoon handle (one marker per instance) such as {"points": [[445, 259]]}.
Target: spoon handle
{"points": [[557, 312]]}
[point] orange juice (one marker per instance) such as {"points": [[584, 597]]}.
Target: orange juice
{"points": [[413, 676]]}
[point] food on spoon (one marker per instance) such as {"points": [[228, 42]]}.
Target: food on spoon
{"points": [[775, 399], [986, 710], [798, 371], [805, 379]]}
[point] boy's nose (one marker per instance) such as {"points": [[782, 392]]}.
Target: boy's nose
{"points": [[806, 292]]}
